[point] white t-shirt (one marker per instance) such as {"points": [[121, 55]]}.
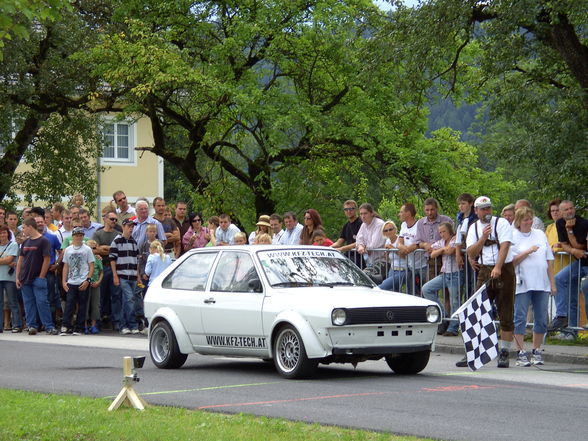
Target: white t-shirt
{"points": [[78, 260], [394, 259], [463, 230], [416, 259], [489, 254], [532, 271]]}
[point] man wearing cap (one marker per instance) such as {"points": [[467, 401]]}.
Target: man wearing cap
{"points": [[78, 268], [488, 242], [124, 254]]}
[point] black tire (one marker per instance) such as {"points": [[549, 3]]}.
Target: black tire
{"points": [[408, 364], [290, 355], [163, 347]]}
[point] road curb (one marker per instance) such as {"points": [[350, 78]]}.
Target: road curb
{"points": [[550, 354]]}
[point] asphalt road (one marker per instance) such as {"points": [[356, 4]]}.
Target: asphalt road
{"points": [[443, 402]]}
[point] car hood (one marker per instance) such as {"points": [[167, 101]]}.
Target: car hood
{"points": [[351, 297]]}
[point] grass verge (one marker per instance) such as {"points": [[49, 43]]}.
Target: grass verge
{"points": [[29, 416]]}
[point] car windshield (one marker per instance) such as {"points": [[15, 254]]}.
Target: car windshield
{"points": [[296, 268]]}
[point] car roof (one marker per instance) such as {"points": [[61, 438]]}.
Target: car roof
{"points": [[255, 248]]}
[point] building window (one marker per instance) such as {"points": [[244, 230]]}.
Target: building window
{"points": [[118, 139]]}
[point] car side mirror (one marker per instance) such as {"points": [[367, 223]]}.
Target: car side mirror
{"points": [[255, 285]]}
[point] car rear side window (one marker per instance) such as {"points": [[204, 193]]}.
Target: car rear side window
{"points": [[192, 274], [234, 272]]}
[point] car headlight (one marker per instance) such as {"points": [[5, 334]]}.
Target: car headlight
{"points": [[339, 316], [433, 314]]}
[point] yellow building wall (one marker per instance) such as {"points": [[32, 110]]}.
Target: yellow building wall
{"points": [[142, 177]]}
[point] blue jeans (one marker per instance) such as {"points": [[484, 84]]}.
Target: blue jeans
{"points": [[566, 299], [111, 298], [53, 293], [451, 281], [36, 303], [540, 300], [75, 296], [10, 289], [394, 281], [128, 319]]}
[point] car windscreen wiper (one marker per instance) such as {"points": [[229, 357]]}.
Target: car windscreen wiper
{"points": [[332, 284], [292, 283]]}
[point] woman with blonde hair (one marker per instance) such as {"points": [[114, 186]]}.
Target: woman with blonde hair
{"points": [[157, 261], [397, 273], [533, 262]]}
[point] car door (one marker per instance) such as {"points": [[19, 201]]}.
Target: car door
{"points": [[231, 316], [185, 290]]}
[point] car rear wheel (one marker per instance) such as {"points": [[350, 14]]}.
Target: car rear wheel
{"points": [[408, 364], [163, 347], [290, 355]]}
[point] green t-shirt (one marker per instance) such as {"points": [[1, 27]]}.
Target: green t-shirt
{"points": [[98, 268]]}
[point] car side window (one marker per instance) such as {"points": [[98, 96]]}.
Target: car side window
{"points": [[234, 272], [192, 274]]}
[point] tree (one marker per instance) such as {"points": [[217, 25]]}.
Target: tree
{"points": [[46, 101], [268, 105], [16, 17], [527, 60]]}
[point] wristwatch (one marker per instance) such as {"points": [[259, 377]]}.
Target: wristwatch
{"points": [[570, 232], [89, 280]]}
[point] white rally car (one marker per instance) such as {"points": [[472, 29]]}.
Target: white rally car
{"points": [[298, 306]]}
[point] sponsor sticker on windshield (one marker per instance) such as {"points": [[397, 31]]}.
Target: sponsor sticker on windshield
{"points": [[299, 253]]}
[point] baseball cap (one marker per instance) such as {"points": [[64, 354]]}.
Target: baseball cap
{"points": [[77, 230], [129, 221], [482, 202]]}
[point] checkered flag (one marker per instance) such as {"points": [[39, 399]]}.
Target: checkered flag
{"points": [[478, 329]]}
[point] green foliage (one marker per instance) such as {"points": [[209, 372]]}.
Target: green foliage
{"points": [[16, 16], [527, 61], [62, 160], [46, 99], [278, 105]]}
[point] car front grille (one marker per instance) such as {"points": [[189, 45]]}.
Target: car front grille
{"points": [[385, 315]]}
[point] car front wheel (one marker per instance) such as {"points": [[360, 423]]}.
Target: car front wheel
{"points": [[290, 355], [163, 347], [408, 364]]}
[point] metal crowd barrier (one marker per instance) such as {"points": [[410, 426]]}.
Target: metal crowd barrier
{"points": [[381, 263]]}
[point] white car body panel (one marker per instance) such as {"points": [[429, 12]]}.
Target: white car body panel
{"points": [[241, 323]]}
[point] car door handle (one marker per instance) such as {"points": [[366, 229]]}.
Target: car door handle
{"points": [[210, 300]]}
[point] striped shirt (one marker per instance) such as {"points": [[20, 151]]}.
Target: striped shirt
{"points": [[125, 253]]}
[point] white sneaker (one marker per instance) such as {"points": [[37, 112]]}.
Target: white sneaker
{"points": [[125, 331], [135, 331], [536, 357], [523, 359], [63, 330]]}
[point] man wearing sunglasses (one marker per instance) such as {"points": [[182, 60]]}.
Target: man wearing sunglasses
{"points": [[123, 210], [346, 241], [110, 295]]}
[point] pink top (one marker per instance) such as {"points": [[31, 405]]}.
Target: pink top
{"points": [[199, 241]]}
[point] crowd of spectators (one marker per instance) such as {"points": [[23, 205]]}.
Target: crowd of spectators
{"points": [[59, 264]]}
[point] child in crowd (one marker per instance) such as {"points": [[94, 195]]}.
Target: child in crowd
{"points": [[320, 238], [240, 238], [78, 268], [157, 261], [263, 239], [142, 277], [93, 308]]}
